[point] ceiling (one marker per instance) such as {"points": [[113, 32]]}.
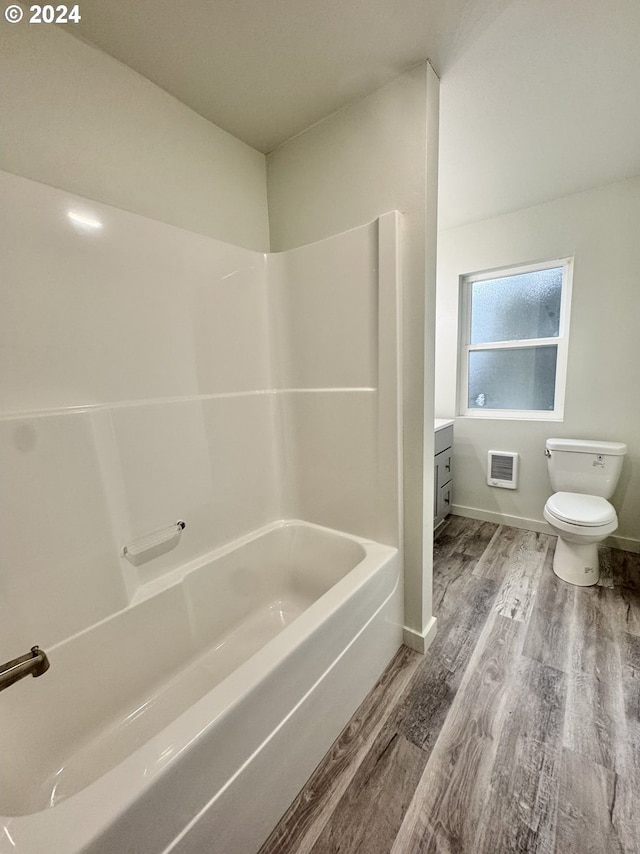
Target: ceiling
{"points": [[539, 98], [264, 70]]}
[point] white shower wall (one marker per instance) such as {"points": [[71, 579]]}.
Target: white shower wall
{"points": [[150, 374], [325, 359]]}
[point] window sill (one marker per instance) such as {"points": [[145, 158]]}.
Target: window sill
{"points": [[512, 415]]}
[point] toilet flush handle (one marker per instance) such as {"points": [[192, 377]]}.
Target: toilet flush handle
{"points": [[547, 452]]}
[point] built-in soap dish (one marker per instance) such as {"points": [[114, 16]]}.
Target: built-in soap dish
{"points": [[153, 545]]}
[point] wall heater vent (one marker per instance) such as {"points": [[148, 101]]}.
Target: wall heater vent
{"points": [[502, 469]]}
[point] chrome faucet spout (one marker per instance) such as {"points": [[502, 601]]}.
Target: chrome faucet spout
{"points": [[34, 662]]}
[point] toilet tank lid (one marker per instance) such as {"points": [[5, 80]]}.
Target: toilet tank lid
{"points": [[587, 446]]}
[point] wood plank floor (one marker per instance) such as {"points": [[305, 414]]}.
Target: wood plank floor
{"points": [[519, 731]]}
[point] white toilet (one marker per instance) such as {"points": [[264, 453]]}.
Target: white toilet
{"points": [[583, 474]]}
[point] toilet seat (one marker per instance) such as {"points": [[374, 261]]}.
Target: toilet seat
{"points": [[585, 511]]}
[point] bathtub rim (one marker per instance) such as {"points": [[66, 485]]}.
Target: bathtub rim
{"points": [[193, 724]]}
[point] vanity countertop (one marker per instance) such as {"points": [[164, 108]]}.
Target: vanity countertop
{"points": [[441, 423]]}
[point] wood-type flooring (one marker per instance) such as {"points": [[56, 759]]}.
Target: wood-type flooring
{"points": [[518, 731]]}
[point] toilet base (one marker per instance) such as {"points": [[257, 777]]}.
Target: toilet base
{"points": [[577, 563]]}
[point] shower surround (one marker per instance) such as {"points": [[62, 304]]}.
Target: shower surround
{"points": [[150, 375]]}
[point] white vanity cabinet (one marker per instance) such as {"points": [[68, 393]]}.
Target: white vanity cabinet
{"points": [[443, 470]]}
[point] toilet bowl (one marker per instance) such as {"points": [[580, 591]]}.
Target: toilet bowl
{"points": [[585, 474], [580, 523]]}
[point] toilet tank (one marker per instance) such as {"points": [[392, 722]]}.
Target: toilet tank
{"points": [[583, 465]]}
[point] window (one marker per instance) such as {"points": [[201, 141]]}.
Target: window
{"points": [[514, 336]]}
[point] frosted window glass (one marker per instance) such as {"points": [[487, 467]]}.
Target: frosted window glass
{"points": [[516, 307], [522, 378]]}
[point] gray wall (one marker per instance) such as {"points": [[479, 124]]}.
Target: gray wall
{"points": [[600, 227]]}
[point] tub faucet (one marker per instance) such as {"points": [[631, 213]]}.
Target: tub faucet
{"points": [[34, 662]]}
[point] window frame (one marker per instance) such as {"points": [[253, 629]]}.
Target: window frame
{"points": [[561, 342]]}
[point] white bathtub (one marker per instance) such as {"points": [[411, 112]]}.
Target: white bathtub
{"points": [[188, 721]]}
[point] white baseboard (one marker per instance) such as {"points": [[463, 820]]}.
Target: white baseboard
{"points": [[627, 544], [421, 641], [501, 518]]}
